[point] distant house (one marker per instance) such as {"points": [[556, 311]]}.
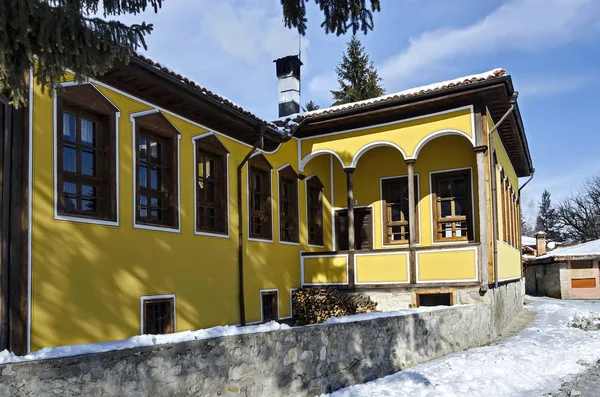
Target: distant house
{"points": [[569, 272]]}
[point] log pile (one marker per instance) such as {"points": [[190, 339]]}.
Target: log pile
{"points": [[315, 305]]}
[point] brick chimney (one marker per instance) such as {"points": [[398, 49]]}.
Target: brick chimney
{"points": [[540, 243], [288, 75]]}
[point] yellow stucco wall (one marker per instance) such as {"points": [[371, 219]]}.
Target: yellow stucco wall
{"points": [[406, 134], [509, 258], [509, 261], [384, 162], [382, 268], [447, 265], [87, 279], [327, 269]]}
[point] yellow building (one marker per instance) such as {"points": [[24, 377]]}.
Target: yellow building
{"points": [[141, 202]]}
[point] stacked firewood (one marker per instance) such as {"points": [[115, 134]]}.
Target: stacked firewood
{"points": [[315, 305]]}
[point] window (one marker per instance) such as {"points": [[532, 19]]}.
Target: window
{"points": [[86, 171], [452, 206], [288, 205], [211, 186], [434, 299], [314, 213], [156, 172], [259, 190], [363, 229], [158, 316], [396, 210], [269, 304]]}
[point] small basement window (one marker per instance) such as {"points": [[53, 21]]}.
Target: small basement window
{"points": [[269, 305], [444, 299], [158, 316]]}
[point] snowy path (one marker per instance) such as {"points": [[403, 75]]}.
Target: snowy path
{"points": [[533, 362]]}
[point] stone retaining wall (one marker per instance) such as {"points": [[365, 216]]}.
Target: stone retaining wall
{"points": [[304, 361]]}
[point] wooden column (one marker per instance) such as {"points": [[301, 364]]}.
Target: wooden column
{"points": [[412, 224], [350, 188], [481, 152]]}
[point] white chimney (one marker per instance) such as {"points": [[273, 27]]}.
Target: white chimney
{"points": [[540, 243], [288, 75]]}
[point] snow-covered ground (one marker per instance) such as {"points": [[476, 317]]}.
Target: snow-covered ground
{"points": [[533, 362]]}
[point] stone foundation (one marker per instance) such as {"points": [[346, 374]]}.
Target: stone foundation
{"points": [[303, 361]]}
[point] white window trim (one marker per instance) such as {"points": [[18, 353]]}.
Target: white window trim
{"points": [[381, 217], [260, 240], [433, 242], [145, 298], [279, 206], [322, 212], [72, 218], [196, 231], [291, 305], [136, 225], [276, 290]]}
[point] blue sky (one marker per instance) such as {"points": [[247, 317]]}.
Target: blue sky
{"points": [[550, 47]]}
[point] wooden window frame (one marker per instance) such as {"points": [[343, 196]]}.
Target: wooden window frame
{"points": [[386, 223], [209, 148], [287, 178], [269, 292], [437, 221], [148, 128], [103, 114], [314, 216], [259, 167], [145, 300]]}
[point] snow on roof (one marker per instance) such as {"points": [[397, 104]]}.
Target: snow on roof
{"points": [[526, 240], [584, 250], [416, 91]]}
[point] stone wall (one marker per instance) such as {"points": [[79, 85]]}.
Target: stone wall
{"points": [[547, 280], [305, 361]]}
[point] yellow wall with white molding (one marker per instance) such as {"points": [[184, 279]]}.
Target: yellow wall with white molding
{"points": [[87, 279], [509, 262], [382, 268], [447, 265], [443, 153], [327, 269], [405, 134], [509, 258]]}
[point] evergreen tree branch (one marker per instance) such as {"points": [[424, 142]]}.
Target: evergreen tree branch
{"points": [[340, 16], [58, 36]]}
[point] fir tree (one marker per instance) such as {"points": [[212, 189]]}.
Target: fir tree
{"points": [[526, 228], [64, 34], [357, 76], [547, 220], [310, 106]]}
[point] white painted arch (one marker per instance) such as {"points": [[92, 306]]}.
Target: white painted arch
{"points": [[312, 155], [373, 145], [439, 134]]}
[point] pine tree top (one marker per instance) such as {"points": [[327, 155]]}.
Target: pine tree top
{"points": [[357, 77]]}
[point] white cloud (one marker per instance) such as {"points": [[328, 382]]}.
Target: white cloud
{"points": [[522, 25], [320, 87]]}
